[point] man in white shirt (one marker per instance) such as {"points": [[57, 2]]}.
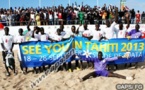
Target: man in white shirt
{"points": [[57, 36], [122, 32], [7, 43], [60, 34], [96, 34], [43, 36], [27, 33], [19, 39], [81, 29], [34, 39], [36, 33], [110, 30]]}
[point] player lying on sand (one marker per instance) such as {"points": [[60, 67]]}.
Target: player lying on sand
{"points": [[100, 68]]}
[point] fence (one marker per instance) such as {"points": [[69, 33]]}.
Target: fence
{"points": [[65, 22]]}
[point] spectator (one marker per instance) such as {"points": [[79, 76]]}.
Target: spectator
{"points": [[17, 18], [104, 16], [73, 19], [143, 17], [42, 17], [132, 16], [81, 17], [32, 17], [138, 17], [69, 16], [37, 18], [22, 19], [111, 15], [127, 17], [91, 16], [55, 17], [76, 12], [3, 18], [50, 17], [27, 17], [60, 17]]}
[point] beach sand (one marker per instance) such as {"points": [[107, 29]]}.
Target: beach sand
{"points": [[64, 80]]}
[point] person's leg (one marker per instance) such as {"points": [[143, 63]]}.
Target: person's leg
{"points": [[92, 64], [93, 74], [21, 66], [14, 69], [4, 60], [40, 69], [136, 65], [88, 64], [35, 71], [70, 66], [64, 66], [111, 74], [25, 70], [44, 69], [7, 70], [116, 66], [77, 65], [81, 64]]}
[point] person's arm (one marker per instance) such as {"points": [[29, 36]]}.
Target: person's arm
{"points": [[89, 38], [114, 23], [111, 59], [77, 32], [89, 33], [102, 38], [2, 45], [29, 23], [129, 35], [12, 44]]}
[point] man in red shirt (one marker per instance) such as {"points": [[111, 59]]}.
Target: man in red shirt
{"points": [[60, 17], [138, 17], [73, 17]]}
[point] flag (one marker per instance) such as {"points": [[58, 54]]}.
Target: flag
{"points": [[126, 8], [1, 26]]}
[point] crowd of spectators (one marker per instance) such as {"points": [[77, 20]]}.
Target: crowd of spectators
{"points": [[72, 14]]}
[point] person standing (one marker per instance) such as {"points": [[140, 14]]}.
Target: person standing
{"points": [[81, 29], [19, 39], [138, 17], [132, 16], [110, 31], [135, 33], [38, 19], [7, 43], [96, 34], [81, 17]]}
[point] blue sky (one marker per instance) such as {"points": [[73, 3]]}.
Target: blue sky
{"points": [[137, 4]]}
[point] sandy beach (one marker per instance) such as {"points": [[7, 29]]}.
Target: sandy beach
{"points": [[64, 80]]}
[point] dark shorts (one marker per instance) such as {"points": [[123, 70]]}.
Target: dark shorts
{"points": [[102, 73]]}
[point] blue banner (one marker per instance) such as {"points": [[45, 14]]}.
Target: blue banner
{"points": [[36, 54], [88, 50]]}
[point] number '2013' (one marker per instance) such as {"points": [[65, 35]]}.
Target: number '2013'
{"points": [[131, 46]]}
